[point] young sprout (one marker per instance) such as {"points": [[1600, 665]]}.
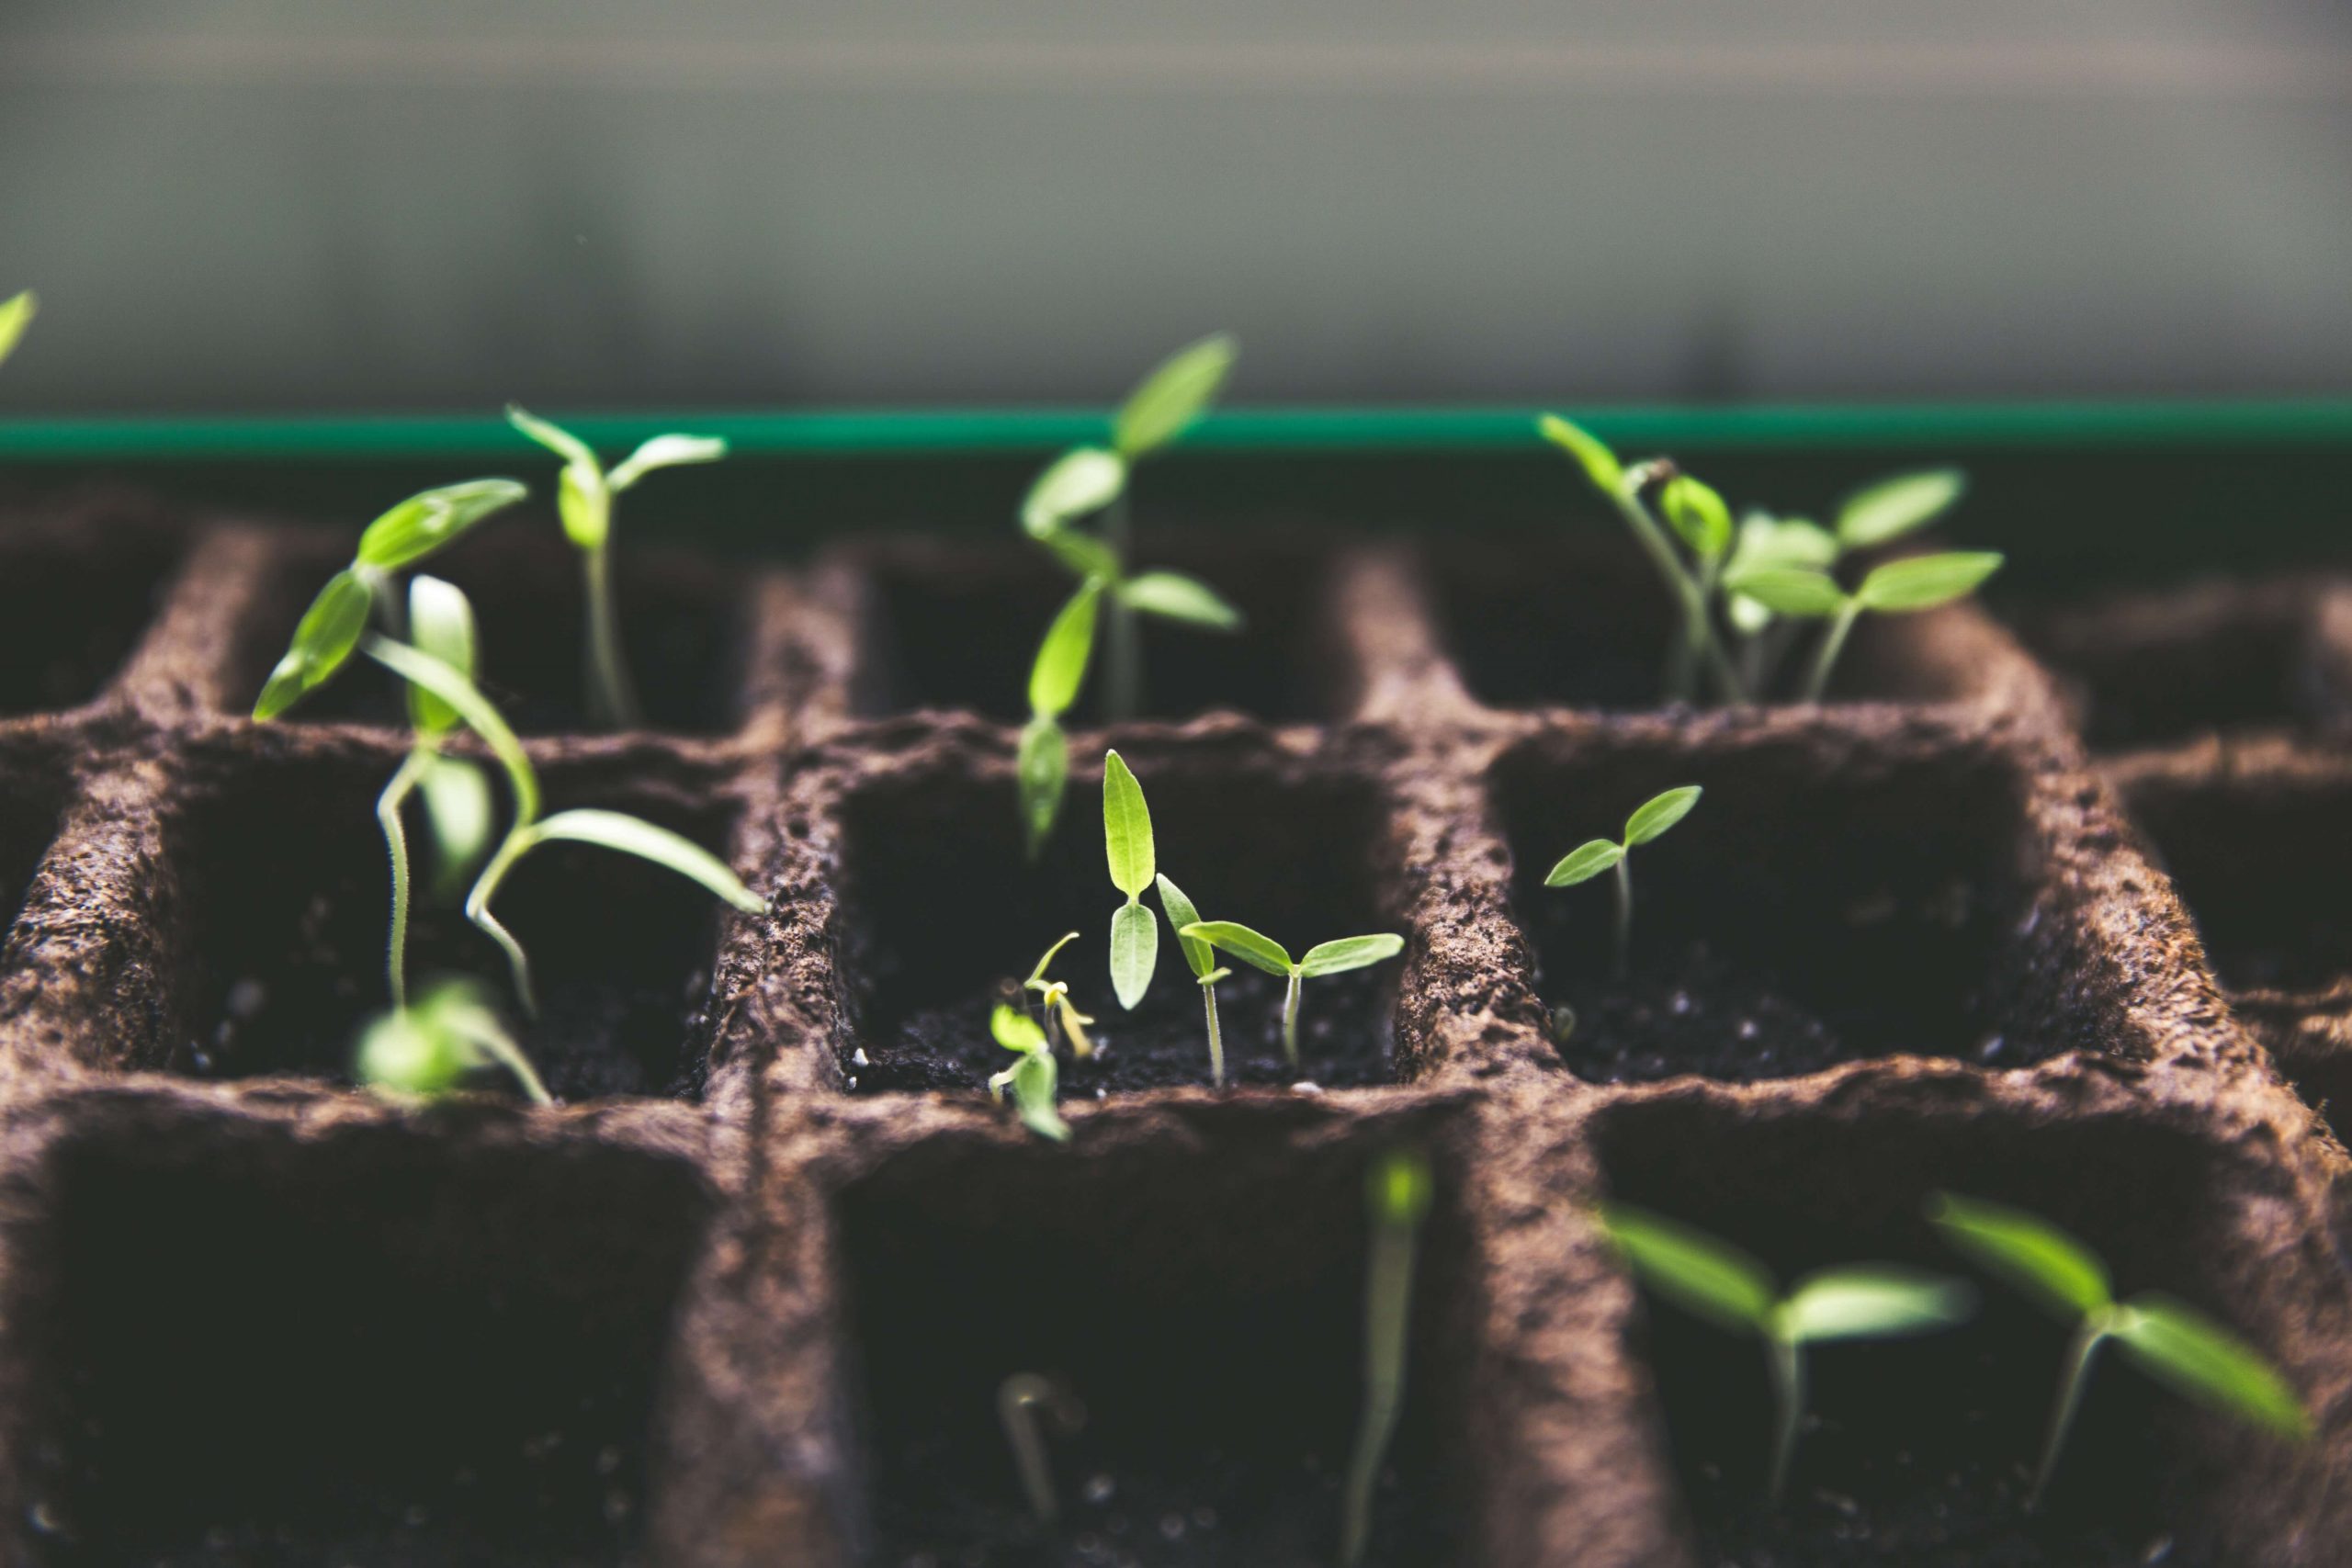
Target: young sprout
{"points": [[1126, 840], [1018, 1401], [1399, 1187], [1053, 1002], [2172, 1342], [1033, 1077], [1650, 819], [1202, 959], [428, 1049], [1766, 541], [1899, 587], [1043, 768], [1324, 958], [1723, 1285], [16, 315], [584, 501]]}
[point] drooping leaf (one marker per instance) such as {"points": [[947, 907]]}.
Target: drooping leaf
{"points": [[1399, 1189], [1585, 862], [1043, 770], [457, 810], [323, 642], [1127, 829], [1173, 396], [635, 836], [665, 452], [1036, 1078], [441, 622], [553, 436], [1698, 514], [1873, 1301], [430, 519], [1036, 981], [1015, 1030], [1083, 554], [1060, 669], [1692, 1268], [1922, 582], [1601, 465], [480, 716], [1175, 597], [16, 315], [2206, 1361], [1348, 952], [1789, 591], [1661, 811], [2026, 1250], [1886, 511], [1081, 482], [1231, 936], [1199, 955], [1134, 953]]}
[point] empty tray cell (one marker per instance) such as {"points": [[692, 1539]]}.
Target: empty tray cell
{"points": [[1204, 1305], [78, 585], [1922, 1450], [943, 915], [685, 630], [284, 905], [1575, 616], [957, 626], [2149, 668], [1838, 893], [242, 1345]]}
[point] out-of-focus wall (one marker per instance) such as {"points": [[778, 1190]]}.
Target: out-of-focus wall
{"points": [[290, 204]]}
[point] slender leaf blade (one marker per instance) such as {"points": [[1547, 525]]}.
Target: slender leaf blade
{"points": [[1198, 954], [1922, 582], [2027, 1251], [665, 452], [1886, 511], [431, 519], [1015, 1030], [1173, 395], [1584, 863], [2200, 1357], [1083, 554], [1655, 816], [1175, 597], [16, 315], [1600, 464], [648, 842], [1081, 482], [553, 436], [1060, 669], [1233, 937], [441, 622], [1789, 591], [323, 639], [1036, 1081], [1134, 953], [480, 716], [1768, 541], [1042, 771], [1873, 1301], [1350, 953], [1692, 1268], [1127, 828]]}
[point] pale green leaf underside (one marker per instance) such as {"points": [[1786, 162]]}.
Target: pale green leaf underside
{"points": [[1790, 590], [1584, 863], [16, 315], [1175, 597], [1768, 541], [1231, 936], [1060, 669], [424, 670], [2204, 1360], [1922, 582], [635, 836], [1893, 507], [2027, 1251], [1873, 1301], [1134, 953], [1601, 465], [1660, 812], [1692, 1268], [1082, 480], [457, 809], [665, 452], [1348, 952], [1173, 395], [1127, 828], [1199, 955], [441, 622]]}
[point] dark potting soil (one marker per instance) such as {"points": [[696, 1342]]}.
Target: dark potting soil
{"points": [[71, 608]]}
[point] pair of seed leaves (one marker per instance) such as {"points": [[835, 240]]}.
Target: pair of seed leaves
{"points": [[1650, 819], [1134, 935], [1033, 1077], [16, 315], [584, 490]]}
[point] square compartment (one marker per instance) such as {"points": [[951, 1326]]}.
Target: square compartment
{"points": [[1921, 1450], [1833, 896], [1205, 1304], [245, 1343], [284, 907], [78, 586], [942, 914]]}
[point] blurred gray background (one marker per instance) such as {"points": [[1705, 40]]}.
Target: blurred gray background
{"points": [[271, 204]]}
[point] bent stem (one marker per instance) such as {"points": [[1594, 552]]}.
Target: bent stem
{"points": [[1831, 644], [2070, 1399], [611, 696], [1788, 1387], [388, 816], [1290, 1018], [1624, 917], [1018, 1399]]}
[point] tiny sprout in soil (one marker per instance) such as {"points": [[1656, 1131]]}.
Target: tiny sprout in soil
{"points": [[584, 495], [1202, 959], [16, 315], [1054, 681], [1399, 1187], [1054, 1004], [1019, 1399], [1900, 587], [1126, 839], [2172, 1342], [1324, 958], [1727, 1287], [432, 1046], [1650, 819], [1033, 1077]]}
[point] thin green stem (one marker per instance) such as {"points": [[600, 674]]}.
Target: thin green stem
{"points": [[2070, 1399], [485, 888], [1122, 659], [612, 699], [388, 816], [1787, 1362], [1625, 916], [1832, 642], [1216, 1036], [1388, 1309], [507, 1054], [1698, 630], [1290, 1020]]}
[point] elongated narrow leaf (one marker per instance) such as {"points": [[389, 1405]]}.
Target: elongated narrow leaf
{"points": [[1036, 1081], [431, 519], [1655, 814], [553, 436], [1036, 981], [323, 642], [1692, 1268], [2206, 1361], [1698, 514], [1198, 954], [1601, 465], [1060, 669], [1079, 482], [483, 719], [1043, 770], [635, 836], [1173, 396], [1134, 953], [441, 622], [1789, 591], [665, 452], [1231, 936], [1173, 596], [16, 315], [457, 811], [2026, 1250], [1127, 828], [1015, 1030], [1922, 582], [1585, 862], [1873, 1301], [1894, 507], [1348, 952], [1085, 556]]}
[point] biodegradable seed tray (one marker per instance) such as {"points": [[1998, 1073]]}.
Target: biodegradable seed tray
{"points": [[746, 1296]]}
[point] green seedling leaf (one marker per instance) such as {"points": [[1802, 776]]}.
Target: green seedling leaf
{"points": [[1872, 1301], [1086, 556], [1601, 465], [431, 519], [634, 836], [1348, 952], [1134, 953], [1888, 510], [664, 452], [1036, 981], [1584, 863], [1173, 396], [2182, 1347], [1790, 590], [1127, 828], [1043, 770], [427, 1049], [1704, 1276], [1060, 669], [574, 452], [1198, 954], [1175, 597], [457, 809], [323, 642], [1015, 1030], [1231, 936], [1768, 541], [1922, 582], [2028, 1251], [424, 670], [441, 622], [1698, 514], [1036, 1078], [1077, 484], [16, 315], [1660, 812]]}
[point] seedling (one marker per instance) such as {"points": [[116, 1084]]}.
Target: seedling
{"points": [[584, 501], [1590, 859], [1398, 1188], [1900, 587], [1714, 1280], [1033, 1077], [2172, 1342], [16, 315], [1043, 767], [1324, 958], [1053, 1003], [1202, 959], [1126, 840], [425, 1050], [1019, 1400]]}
